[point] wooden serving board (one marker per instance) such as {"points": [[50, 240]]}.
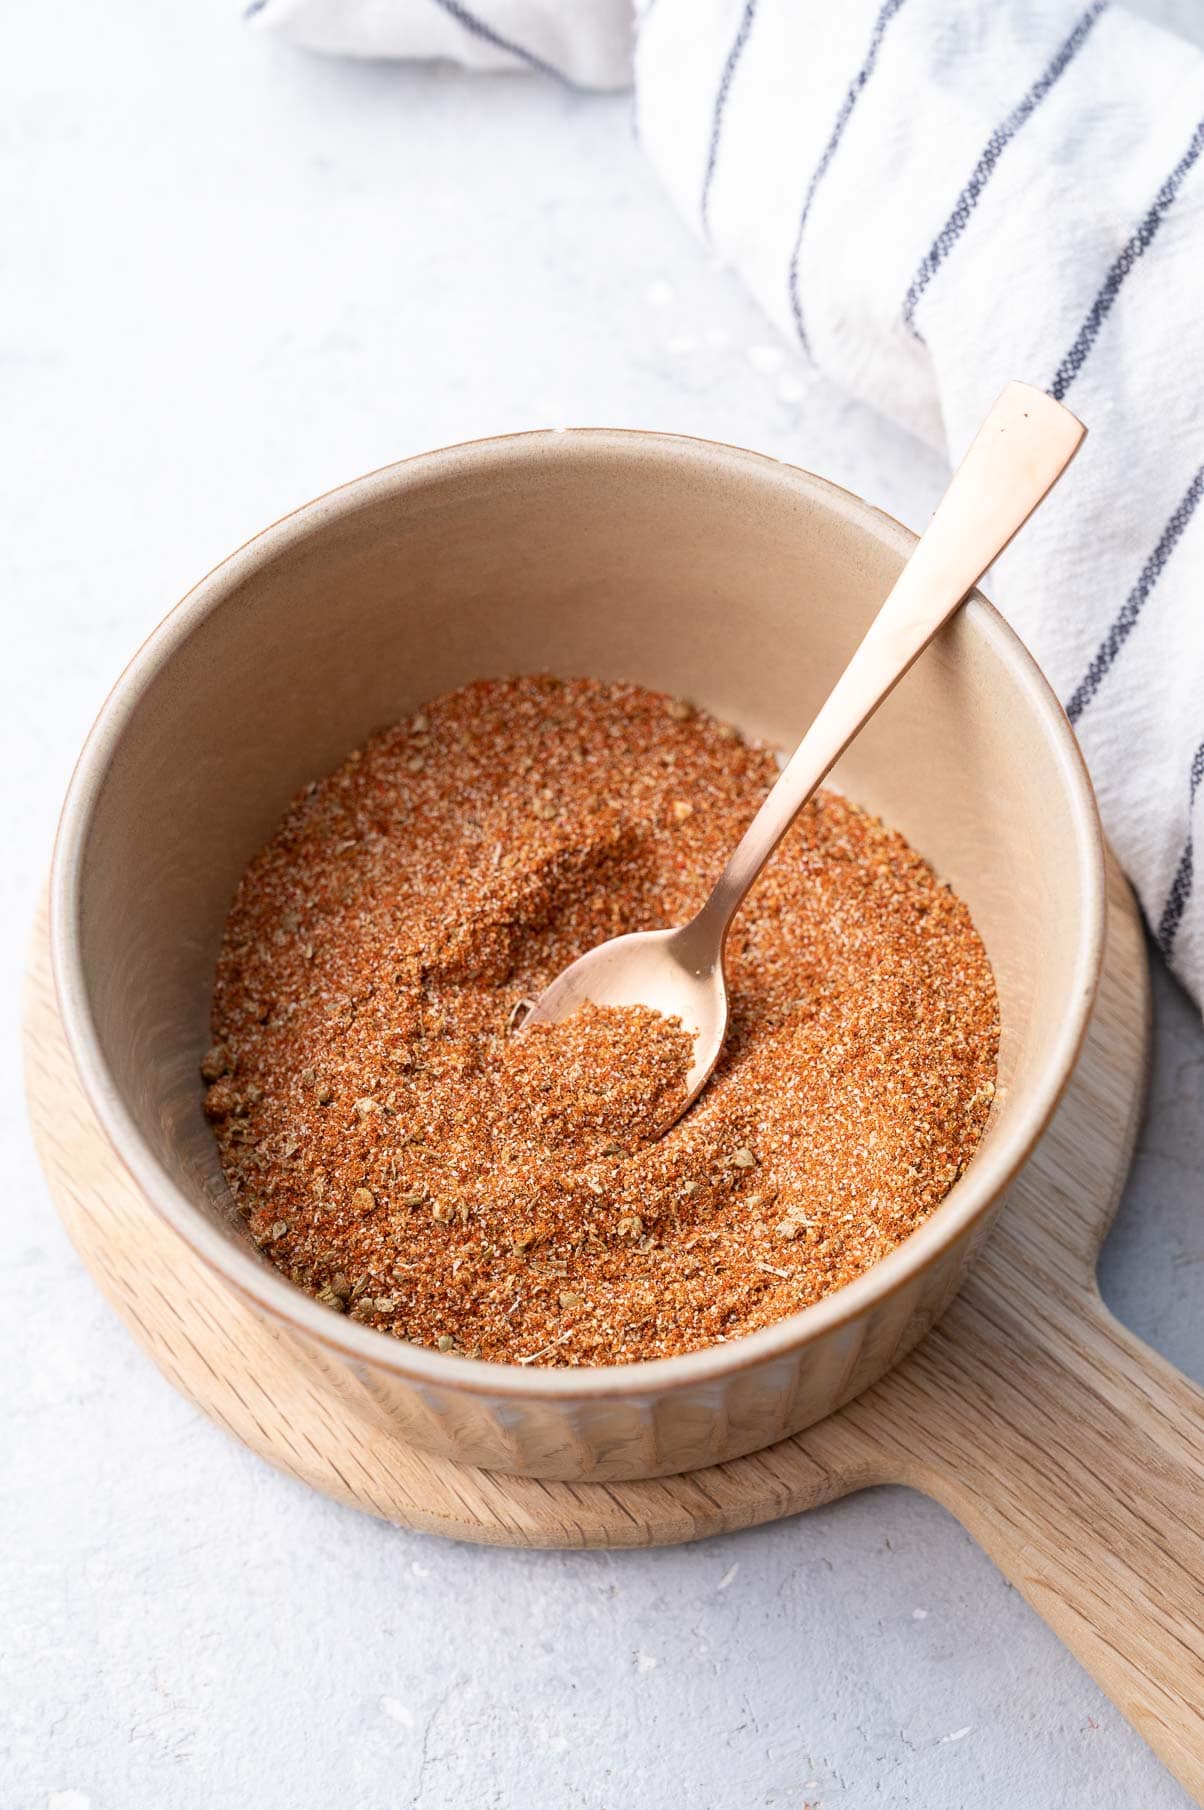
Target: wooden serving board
{"points": [[1073, 1453]]}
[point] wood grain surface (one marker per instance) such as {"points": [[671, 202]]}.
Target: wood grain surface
{"points": [[1069, 1450]]}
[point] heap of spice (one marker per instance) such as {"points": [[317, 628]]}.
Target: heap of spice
{"points": [[404, 1159], [615, 1075]]}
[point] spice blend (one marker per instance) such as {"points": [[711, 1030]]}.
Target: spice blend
{"points": [[406, 1161], [609, 1075]]}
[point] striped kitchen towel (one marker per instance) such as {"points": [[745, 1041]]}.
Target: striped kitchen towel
{"points": [[929, 199]]}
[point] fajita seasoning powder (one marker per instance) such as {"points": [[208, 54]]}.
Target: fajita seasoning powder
{"points": [[404, 1160]]}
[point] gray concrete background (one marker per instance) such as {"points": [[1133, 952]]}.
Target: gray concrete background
{"points": [[233, 277]]}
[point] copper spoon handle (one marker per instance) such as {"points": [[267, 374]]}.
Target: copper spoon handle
{"points": [[1019, 452]]}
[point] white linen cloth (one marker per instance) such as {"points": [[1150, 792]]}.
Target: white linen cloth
{"points": [[929, 199]]}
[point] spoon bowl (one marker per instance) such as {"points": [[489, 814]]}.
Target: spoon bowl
{"points": [[677, 973]]}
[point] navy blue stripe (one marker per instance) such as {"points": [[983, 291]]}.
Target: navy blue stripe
{"points": [[1135, 602], [725, 82], [1181, 885], [886, 14], [1140, 243], [479, 29], [984, 169], [254, 6]]}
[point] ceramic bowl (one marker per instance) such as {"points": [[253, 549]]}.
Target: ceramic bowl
{"points": [[708, 572]]}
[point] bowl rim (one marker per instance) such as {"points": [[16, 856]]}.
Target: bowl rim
{"points": [[255, 1277]]}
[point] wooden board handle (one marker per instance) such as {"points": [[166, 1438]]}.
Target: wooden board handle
{"points": [[1076, 1462]]}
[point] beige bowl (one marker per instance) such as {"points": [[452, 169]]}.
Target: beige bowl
{"points": [[695, 568]]}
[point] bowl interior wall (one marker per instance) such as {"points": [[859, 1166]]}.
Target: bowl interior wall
{"points": [[716, 575]]}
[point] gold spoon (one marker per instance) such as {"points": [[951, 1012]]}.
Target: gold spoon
{"points": [[1019, 452]]}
